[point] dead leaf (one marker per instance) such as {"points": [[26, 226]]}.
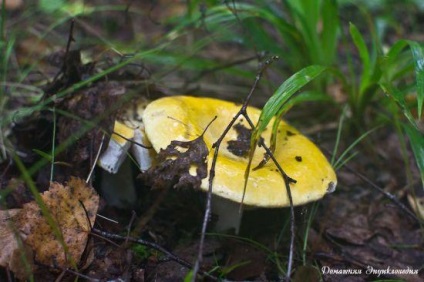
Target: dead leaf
{"points": [[181, 165], [69, 206], [11, 253]]}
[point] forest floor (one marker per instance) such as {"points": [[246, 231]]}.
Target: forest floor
{"points": [[357, 233]]}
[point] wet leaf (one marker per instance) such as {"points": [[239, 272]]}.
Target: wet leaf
{"points": [[183, 164]]}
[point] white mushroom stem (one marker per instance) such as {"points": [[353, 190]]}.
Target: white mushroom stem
{"points": [[229, 214], [143, 155], [118, 189], [114, 156]]}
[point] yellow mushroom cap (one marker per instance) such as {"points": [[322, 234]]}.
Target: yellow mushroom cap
{"points": [[184, 118]]}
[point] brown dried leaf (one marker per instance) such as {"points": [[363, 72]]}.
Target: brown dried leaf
{"points": [[11, 253], [69, 207], [181, 165]]}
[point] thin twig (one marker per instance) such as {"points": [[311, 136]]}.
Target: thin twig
{"points": [[216, 146], [95, 159], [68, 47], [108, 219], [132, 141], [53, 145]]}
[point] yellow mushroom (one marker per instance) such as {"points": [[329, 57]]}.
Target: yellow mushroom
{"points": [[184, 118]]}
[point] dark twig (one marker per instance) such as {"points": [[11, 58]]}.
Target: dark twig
{"points": [[149, 244], [216, 146], [70, 37], [68, 47], [132, 141]]}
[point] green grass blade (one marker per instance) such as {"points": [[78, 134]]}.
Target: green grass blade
{"points": [[394, 51], [391, 62], [344, 157], [416, 138], [308, 9], [279, 99], [399, 98], [338, 136], [330, 31], [306, 15], [359, 42], [418, 55], [263, 40], [43, 154], [309, 96]]}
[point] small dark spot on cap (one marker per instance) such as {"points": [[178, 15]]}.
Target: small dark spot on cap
{"points": [[241, 146], [289, 133], [298, 158]]}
